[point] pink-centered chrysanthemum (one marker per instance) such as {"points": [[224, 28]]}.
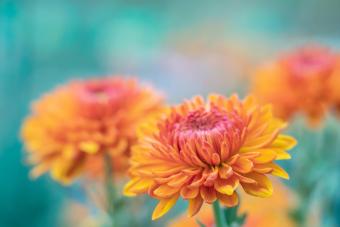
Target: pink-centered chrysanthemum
{"points": [[303, 81], [203, 151], [72, 128]]}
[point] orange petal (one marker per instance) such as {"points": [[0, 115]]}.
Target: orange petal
{"points": [[215, 159], [263, 188], [164, 206], [208, 194], [165, 170], [244, 179], [211, 176], [178, 181], [224, 151], [243, 165], [233, 159], [198, 180], [204, 152], [225, 171], [165, 191], [228, 200], [194, 205], [262, 168], [189, 192], [250, 154]]}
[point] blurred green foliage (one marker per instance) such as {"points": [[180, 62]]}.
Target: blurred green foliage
{"points": [[315, 171]]}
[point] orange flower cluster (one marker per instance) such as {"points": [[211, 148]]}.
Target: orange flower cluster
{"points": [[304, 81], [204, 151], [71, 128], [273, 211]]}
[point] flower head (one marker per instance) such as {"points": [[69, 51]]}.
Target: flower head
{"points": [[204, 151], [71, 128], [273, 211], [298, 82]]}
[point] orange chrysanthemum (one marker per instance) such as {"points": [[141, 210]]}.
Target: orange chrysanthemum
{"points": [[299, 82], [203, 152], [273, 211], [71, 128]]}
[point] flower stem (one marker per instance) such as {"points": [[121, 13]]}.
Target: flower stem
{"points": [[109, 187], [219, 216]]}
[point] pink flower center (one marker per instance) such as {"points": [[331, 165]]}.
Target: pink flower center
{"points": [[99, 92], [98, 98], [203, 120], [201, 124], [310, 62]]}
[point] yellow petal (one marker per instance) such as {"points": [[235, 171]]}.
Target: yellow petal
{"points": [[282, 155], [278, 171], [164, 206], [227, 189], [58, 173], [194, 205], [258, 142], [227, 186], [266, 155], [64, 171], [89, 147], [263, 187], [136, 185], [285, 142]]}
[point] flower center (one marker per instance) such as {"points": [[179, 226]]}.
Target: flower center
{"points": [[202, 124], [310, 62], [99, 98], [98, 91], [202, 120]]}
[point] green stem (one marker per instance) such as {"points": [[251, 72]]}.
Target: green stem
{"points": [[109, 187], [219, 216]]}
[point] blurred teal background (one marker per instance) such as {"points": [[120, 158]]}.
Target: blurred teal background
{"points": [[182, 47]]}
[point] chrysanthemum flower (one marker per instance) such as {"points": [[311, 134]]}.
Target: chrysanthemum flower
{"points": [[298, 82], [274, 211], [204, 151], [71, 128]]}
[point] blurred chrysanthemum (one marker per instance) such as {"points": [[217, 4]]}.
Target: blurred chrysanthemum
{"points": [[274, 211], [71, 128], [299, 82], [204, 151]]}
